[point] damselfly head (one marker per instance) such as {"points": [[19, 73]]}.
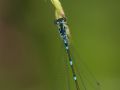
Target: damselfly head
{"points": [[60, 21]]}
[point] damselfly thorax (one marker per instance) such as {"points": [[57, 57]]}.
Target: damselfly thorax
{"points": [[61, 23]]}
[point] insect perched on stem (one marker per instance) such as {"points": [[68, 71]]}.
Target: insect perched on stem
{"points": [[64, 32]]}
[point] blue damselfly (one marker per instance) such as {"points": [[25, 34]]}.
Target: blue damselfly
{"points": [[82, 80]]}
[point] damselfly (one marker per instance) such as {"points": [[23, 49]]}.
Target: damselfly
{"points": [[80, 77], [81, 81]]}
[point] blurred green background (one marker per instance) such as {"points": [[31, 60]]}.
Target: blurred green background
{"points": [[32, 52]]}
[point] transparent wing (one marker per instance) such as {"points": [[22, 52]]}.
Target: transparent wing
{"points": [[87, 80]]}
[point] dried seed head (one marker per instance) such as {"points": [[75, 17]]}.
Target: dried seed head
{"points": [[59, 12]]}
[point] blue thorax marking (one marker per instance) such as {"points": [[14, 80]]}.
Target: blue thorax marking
{"points": [[62, 30]]}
